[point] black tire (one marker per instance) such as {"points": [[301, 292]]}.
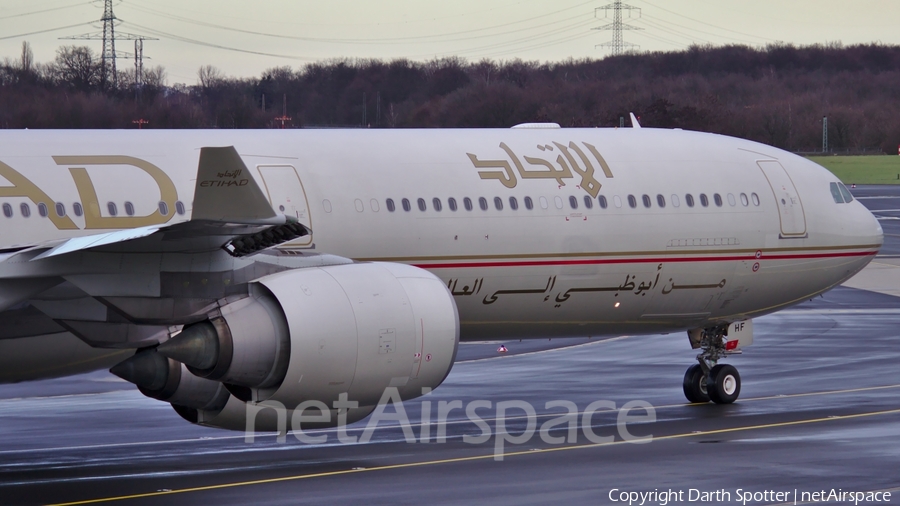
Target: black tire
{"points": [[695, 384], [723, 384]]}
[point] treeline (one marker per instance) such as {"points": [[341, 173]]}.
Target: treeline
{"points": [[777, 95]]}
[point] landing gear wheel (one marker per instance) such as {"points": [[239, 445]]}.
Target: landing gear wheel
{"points": [[695, 384], [723, 384]]}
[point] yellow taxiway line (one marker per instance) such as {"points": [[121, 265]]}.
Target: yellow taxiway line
{"points": [[489, 456]]}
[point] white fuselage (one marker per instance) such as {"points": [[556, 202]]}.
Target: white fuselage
{"points": [[770, 234]]}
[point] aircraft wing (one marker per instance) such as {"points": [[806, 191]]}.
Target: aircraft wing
{"points": [[126, 288]]}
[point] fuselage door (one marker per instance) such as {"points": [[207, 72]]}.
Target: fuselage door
{"points": [[790, 209], [287, 196]]}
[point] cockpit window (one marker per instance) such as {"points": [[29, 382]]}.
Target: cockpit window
{"points": [[840, 193], [836, 194], [846, 193]]}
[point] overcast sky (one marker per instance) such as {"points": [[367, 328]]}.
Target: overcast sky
{"points": [[244, 38]]}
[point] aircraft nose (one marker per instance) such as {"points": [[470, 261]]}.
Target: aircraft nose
{"points": [[878, 233], [865, 227]]}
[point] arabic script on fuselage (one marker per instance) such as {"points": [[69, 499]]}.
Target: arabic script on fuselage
{"points": [[565, 165]]}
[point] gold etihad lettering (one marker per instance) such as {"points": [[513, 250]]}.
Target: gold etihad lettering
{"points": [[565, 164], [23, 187], [93, 219]]}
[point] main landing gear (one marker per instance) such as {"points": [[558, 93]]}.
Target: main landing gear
{"points": [[708, 380]]}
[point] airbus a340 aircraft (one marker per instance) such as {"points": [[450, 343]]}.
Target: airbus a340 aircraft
{"points": [[218, 268]]}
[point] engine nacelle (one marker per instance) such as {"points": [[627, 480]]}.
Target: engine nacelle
{"points": [[314, 334]]}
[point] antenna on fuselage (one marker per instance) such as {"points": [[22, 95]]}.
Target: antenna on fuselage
{"points": [[634, 121]]}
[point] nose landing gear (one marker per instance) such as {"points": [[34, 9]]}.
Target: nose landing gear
{"points": [[708, 380]]}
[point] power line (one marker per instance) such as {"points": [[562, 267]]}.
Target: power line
{"points": [[209, 44], [617, 45], [45, 10], [58, 28], [499, 45], [568, 38], [664, 40], [382, 40], [704, 32], [704, 23], [693, 39]]}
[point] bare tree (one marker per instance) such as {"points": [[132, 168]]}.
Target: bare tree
{"points": [[155, 76], [209, 76], [77, 66], [27, 61]]}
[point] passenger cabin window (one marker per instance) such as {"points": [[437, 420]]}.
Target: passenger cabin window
{"points": [[77, 209], [467, 203], [26, 210], [179, 207], [529, 204], [544, 203], [603, 203], [617, 201], [406, 206], [744, 200], [646, 199], [558, 201], [755, 199], [60, 209], [588, 202], [451, 203], [498, 203], [513, 203], [421, 204], [731, 201], [111, 207], [42, 210], [703, 200], [163, 208], [689, 200], [675, 201], [660, 201], [7, 210], [632, 202], [482, 203], [436, 203], [390, 205], [573, 202], [129, 209], [718, 199]]}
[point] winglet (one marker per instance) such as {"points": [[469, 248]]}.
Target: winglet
{"points": [[634, 121], [226, 191]]}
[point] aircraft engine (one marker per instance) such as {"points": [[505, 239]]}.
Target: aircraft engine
{"points": [[337, 333], [164, 379]]}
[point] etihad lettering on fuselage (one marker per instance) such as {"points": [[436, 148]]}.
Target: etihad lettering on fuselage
{"points": [[567, 163], [93, 219]]}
